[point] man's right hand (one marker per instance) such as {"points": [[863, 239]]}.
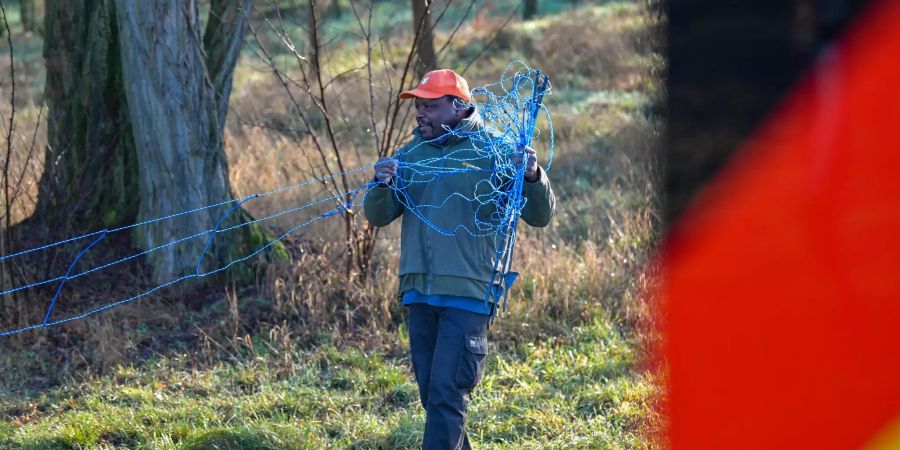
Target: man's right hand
{"points": [[385, 169]]}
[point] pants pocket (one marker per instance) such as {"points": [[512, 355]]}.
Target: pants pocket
{"points": [[471, 361]]}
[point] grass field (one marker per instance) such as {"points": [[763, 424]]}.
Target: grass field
{"points": [[299, 360], [581, 393]]}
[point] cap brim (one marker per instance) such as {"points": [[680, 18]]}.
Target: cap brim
{"points": [[420, 93]]}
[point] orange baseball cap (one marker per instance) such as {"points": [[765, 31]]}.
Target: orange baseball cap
{"points": [[438, 83]]}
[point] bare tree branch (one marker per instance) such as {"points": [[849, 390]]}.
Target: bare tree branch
{"points": [[30, 156], [10, 130], [300, 113], [493, 38], [367, 34], [222, 40], [455, 29], [390, 125]]}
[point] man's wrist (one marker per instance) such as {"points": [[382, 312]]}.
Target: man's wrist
{"points": [[535, 176]]}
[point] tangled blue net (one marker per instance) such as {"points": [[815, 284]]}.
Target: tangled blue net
{"points": [[509, 109]]}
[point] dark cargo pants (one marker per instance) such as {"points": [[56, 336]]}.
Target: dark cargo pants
{"points": [[448, 348]]}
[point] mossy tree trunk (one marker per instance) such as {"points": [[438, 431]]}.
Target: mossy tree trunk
{"points": [[137, 105], [89, 179], [426, 59], [177, 96], [90, 169]]}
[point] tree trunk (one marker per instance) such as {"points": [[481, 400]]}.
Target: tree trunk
{"points": [[27, 14], [91, 164], [529, 10], [336, 9], [222, 41], [425, 56], [312, 26], [90, 161], [177, 115]]}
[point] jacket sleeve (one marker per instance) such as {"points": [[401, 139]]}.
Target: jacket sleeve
{"points": [[541, 202], [381, 206]]}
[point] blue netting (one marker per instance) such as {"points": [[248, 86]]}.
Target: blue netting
{"points": [[509, 110]]}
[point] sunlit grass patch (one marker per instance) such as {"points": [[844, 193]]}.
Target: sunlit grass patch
{"points": [[578, 392]]}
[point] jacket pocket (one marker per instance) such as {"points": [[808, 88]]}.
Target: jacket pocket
{"points": [[471, 361]]}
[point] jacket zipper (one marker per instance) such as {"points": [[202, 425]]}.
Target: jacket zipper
{"points": [[429, 276]]}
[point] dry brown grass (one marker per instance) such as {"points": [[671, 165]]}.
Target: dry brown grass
{"points": [[27, 156]]}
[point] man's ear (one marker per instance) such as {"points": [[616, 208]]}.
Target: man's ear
{"points": [[462, 113]]}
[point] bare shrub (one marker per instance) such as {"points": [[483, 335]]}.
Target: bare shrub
{"points": [[311, 293], [600, 52]]}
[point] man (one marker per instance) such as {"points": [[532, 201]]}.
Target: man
{"points": [[446, 277]]}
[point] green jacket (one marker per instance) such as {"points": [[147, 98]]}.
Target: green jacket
{"points": [[432, 262]]}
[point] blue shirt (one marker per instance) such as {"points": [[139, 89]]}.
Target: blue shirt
{"points": [[478, 306]]}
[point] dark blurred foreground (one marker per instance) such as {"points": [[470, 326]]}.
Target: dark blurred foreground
{"points": [[730, 63]]}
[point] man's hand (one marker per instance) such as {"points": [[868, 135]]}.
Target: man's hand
{"points": [[531, 166], [385, 169]]}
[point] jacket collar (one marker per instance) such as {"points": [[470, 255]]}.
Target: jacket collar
{"points": [[449, 138]]}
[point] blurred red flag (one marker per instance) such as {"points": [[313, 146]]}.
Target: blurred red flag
{"points": [[782, 289]]}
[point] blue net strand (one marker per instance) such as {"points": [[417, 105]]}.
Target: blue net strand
{"points": [[509, 110], [66, 276]]}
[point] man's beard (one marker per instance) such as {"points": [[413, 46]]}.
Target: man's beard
{"points": [[430, 130], [427, 130]]}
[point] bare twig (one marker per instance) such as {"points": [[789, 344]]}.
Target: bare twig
{"points": [[342, 75], [367, 34], [313, 82], [30, 156], [456, 29], [493, 38], [441, 15], [390, 125], [329, 128], [321, 87], [10, 130], [6, 274], [300, 113], [325, 94]]}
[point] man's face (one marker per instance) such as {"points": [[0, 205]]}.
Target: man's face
{"points": [[431, 114]]}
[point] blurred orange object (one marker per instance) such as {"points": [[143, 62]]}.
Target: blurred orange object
{"points": [[782, 282]]}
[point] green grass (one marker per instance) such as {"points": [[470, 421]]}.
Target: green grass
{"points": [[579, 392]]}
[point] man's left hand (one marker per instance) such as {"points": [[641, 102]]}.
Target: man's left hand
{"points": [[531, 166]]}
